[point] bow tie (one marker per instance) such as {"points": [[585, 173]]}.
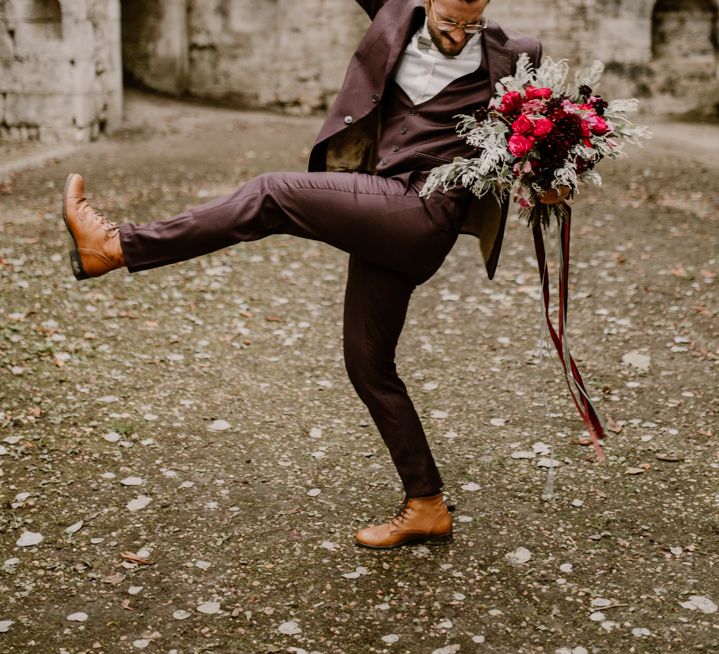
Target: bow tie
{"points": [[424, 44]]}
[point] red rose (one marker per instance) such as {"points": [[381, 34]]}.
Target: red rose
{"points": [[522, 125], [510, 102], [586, 132], [542, 127], [533, 93], [519, 145]]}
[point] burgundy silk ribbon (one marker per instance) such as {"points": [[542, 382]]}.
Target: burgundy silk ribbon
{"points": [[592, 420]]}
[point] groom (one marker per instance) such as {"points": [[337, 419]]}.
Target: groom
{"points": [[420, 64]]}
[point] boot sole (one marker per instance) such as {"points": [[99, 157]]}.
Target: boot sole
{"points": [[75, 262], [429, 540]]}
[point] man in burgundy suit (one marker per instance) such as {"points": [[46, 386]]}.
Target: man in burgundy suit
{"points": [[421, 63]]}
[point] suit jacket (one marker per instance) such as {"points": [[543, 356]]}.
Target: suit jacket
{"points": [[349, 134]]}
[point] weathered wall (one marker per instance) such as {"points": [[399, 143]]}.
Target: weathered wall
{"points": [[59, 69], [663, 51], [155, 44], [271, 52], [292, 53]]}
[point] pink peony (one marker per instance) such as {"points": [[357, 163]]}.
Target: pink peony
{"points": [[522, 125], [533, 93], [542, 127], [519, 145], [598, 125]]}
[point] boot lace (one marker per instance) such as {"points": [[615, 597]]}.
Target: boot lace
{"points": [[403, 511], [110, 227]]}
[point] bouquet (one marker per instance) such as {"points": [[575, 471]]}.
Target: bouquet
{"points": [[540, 133], [541, 137]]}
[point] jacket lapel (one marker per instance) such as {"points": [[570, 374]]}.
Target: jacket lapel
{"points": [[500, 60], [400, 38]]}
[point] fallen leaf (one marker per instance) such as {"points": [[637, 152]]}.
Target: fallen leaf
{"points": [[700, 603], [209, 608], [138, 503], [77, 617], [519, 556], [669, 457], [134, 558], [613, 426], [218, 425], [289, 628], [114, 579], [29, 538], [634, 471], [637, 360]]}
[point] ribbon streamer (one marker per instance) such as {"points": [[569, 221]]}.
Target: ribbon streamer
{"points": [[592, 420]]}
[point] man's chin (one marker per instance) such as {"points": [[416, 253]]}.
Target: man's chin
{"points": [[449, 51]]}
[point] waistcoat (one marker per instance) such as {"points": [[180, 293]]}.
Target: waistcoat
{"points": [[418, 137]]}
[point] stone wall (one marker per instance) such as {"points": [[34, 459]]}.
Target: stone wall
{"points": [[61, 62], [60, 69], [662, 51]]}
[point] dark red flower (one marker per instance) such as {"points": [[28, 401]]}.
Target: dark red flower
{"points": [[522, 125], [533, 93], [519, 145], [542, 127], [510, 102]]}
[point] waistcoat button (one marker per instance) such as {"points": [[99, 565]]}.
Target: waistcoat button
{"points": [[348, 120], [383, 162], [375, 99], [402, 130], [395, 148], [413, 111]]}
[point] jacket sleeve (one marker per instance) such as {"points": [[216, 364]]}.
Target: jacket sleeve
{"points": [[371, 6]]}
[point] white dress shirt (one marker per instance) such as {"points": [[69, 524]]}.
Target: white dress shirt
{"points": [[423, 71]]}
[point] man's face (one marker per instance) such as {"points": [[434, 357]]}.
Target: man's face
{"points": [[453, 11]]}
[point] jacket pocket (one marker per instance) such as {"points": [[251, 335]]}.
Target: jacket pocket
{"points": [[431, 157]]}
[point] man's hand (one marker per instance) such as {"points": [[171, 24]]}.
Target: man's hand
{"points": [[554, 196]]}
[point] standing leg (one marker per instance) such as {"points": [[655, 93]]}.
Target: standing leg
{"points": [[376, 303]]}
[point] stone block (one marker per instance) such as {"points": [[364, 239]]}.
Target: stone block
{"points": [[7, 46], [84, 109], [37, 109]]}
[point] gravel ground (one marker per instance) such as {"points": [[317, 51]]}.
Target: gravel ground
{"points": [[187, 446]]}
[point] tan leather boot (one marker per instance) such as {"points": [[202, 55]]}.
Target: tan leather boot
{"points": [[420, 519], [97, 239]]}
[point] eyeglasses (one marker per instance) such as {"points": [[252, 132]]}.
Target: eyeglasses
{"points": [[451, 26]]}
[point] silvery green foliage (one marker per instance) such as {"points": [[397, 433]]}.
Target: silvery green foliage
{"points": [[552, 74], [492, 169], [523, 76], [589, 76]]}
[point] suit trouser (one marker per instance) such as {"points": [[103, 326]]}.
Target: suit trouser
{"points": [[396, 240]]}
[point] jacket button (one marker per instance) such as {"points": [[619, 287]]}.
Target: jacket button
{"points": [[375, 99], [348, 120]]}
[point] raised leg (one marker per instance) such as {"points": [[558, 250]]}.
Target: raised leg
{"points": [[376, 218]]}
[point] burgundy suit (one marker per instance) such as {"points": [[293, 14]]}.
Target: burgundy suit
{"points": [[361, 195]]}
